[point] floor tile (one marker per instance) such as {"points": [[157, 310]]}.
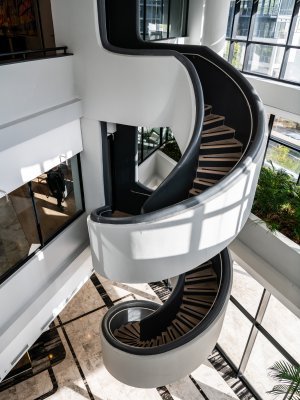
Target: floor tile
{"points": [[85, 300]]}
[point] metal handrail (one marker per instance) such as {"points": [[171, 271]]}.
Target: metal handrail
{"points": [[25, 52]]}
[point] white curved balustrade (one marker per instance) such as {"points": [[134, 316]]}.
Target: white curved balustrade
{"points": [[165, 247]]}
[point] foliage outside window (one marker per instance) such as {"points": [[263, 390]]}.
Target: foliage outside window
{"points": [[32, 214], [263, 38], [277, 202]]}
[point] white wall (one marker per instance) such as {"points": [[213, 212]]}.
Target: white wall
{"points": [[91, 163], [207, 22], [27, 160], [33, 86], [272, 259], [33, 296], [155, 168], [279, 98], [133, 90]]}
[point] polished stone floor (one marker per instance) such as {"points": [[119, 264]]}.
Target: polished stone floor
{"points": [[82, 375]]}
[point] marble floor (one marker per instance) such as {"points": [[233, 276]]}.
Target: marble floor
{"points": [[82, 375]]}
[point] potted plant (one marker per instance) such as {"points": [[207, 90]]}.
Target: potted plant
{"points": [[272, 257], [277, 202], [288, 377]]}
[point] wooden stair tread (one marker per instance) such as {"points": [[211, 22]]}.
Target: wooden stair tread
{"points": [[211, 171], [195, 192], [218, 129], [220, 157], [212, 117], [204, 182]]}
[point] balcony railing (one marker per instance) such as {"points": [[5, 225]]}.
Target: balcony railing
{"points": [[26, 55]]}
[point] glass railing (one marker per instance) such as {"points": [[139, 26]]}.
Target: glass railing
{"points": [[36, 212]]}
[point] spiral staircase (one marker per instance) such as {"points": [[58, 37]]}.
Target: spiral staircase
{"points": [[184, 225]]}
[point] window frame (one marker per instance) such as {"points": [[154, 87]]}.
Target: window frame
{"points": [[184, 10], [232, 26], [36, 221]]}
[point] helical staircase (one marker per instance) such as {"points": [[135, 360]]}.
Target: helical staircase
{"points": [[184, 225]]}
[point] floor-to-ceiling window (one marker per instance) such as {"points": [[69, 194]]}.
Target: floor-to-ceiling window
{"points": [[258, 330], [163, 19], [34, 213], [263, 38]]}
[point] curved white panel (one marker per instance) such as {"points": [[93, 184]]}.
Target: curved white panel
{"points": [[156, 370], [132, 90], [37, 155], [170, 246]]}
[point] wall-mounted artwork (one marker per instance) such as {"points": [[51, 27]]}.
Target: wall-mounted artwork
{"points": [[18, 18]]}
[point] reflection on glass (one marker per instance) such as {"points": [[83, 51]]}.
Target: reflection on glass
{"points": [[242, 20], [234, 322], [57, 196], [289, 338], [281, 157], [262, 357], [286, 130], [230, 19], [151, 140], [264, 59], [296, 34], [178, 14], [156, 19], [292, 70], [238, 55], [246, 290], [272, 21], [226, 50], [18, 232]]}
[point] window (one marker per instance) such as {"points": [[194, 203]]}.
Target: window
{"points": [[151, 139], [32, 214], [283, 151], [163, 19], [263, 38]]}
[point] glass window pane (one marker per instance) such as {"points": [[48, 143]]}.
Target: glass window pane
{"points": [[18, 231], [286, 329], [57, 196], [139, 138], [226, 50], [272, 21], [151, 140], [238, 55], [262, 357], [156, 19], [292, 70], [230, 19], [286, 130], [281, 157], [234, 322], [142, 19], [246, 290], [178, 14], [265, 60], [242, 20], [296, 34]]}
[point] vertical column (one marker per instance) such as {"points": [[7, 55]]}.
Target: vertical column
{"points": [[215, 24]]}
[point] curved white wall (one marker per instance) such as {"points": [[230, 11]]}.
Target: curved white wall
{"points": [[161, 369], [132, 90], [165, 247]]}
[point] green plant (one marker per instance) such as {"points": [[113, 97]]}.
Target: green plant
{"points": [[288, 376], [172, 150], [277, 202]]}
